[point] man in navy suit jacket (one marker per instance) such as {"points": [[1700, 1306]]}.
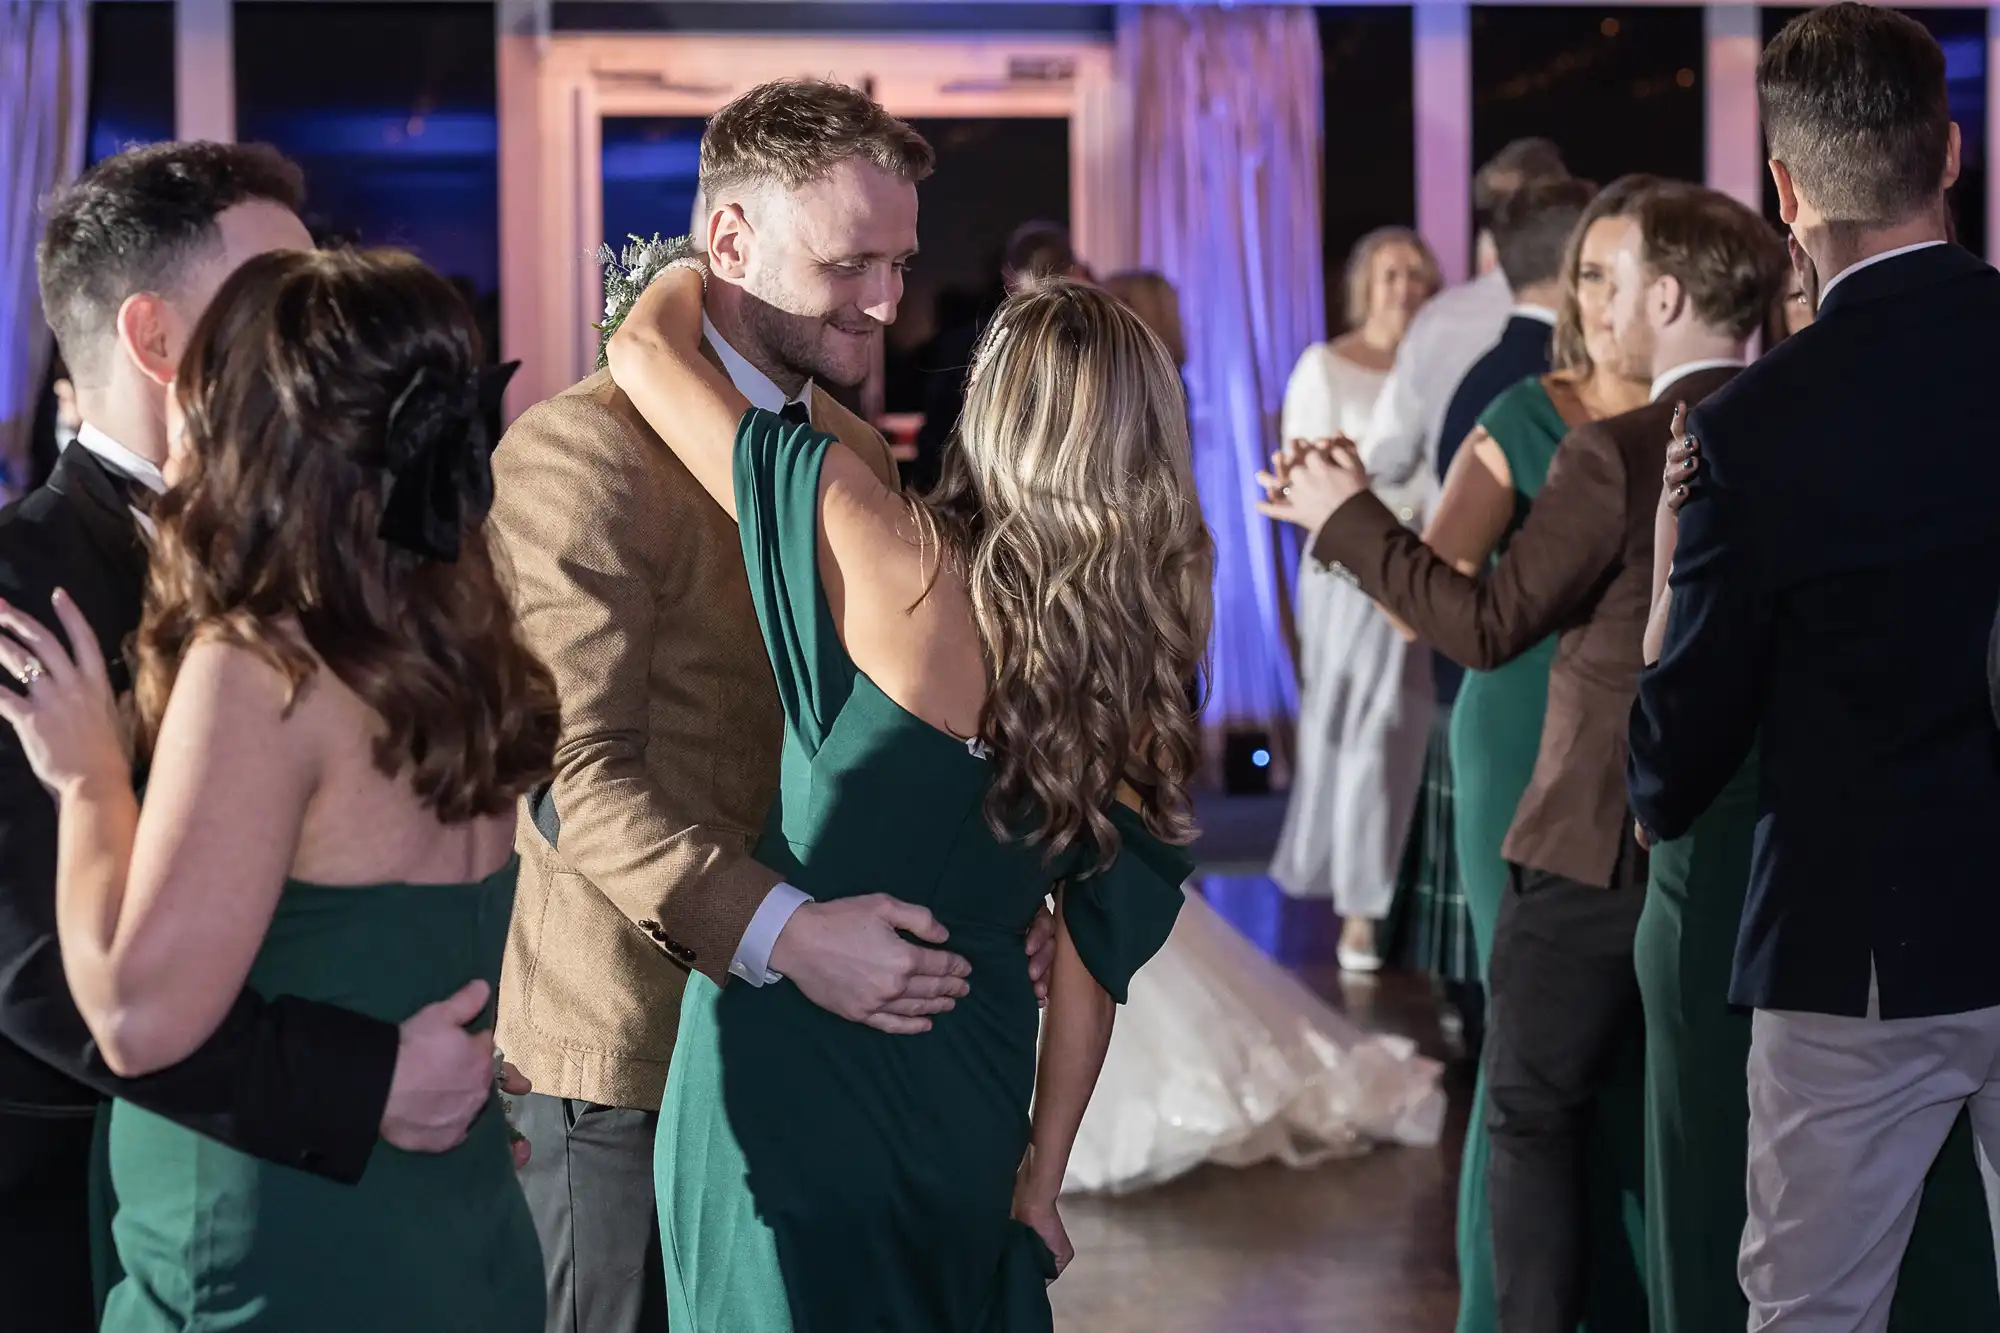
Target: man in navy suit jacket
{"points": [[1833, 587], [1530, 231]]}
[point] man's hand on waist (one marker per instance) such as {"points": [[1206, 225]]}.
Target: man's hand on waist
{"points": [[849, 959], [444, 1074]]}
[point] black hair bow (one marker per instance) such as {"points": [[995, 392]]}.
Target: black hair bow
{"points": [[440, 459]]}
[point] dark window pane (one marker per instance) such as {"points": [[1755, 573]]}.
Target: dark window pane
{"points": [[1370, 131], [1962, 34], [1618, 89], [651, 164], [131, 75], [992, 175], [391, 110]]}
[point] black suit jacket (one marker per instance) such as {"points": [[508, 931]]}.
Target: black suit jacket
{"points": [[1834, 585], [285, 1079], [1522, 353]]}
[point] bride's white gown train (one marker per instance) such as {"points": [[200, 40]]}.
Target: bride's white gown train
{"points": [[1221, 1055]]}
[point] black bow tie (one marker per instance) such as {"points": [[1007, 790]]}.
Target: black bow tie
{"points": [[797, 413], [132, 492]]}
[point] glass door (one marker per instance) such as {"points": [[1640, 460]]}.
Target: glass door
{"points": [[1025, 131], [993, 175]]}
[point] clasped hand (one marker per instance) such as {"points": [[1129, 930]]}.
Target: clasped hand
{"points": [[1310, 479]]}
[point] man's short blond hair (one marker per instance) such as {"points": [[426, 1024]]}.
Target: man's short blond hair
{"points": [[794, 131]]}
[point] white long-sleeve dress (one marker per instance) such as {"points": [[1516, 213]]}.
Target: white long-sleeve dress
{"points": [[1365, 697]]}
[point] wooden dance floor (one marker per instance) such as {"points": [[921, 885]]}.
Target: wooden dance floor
{"points": [[1361, 1246]]}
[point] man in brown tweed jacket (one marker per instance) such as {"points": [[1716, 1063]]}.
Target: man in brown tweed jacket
{"points": [[631, 586]]}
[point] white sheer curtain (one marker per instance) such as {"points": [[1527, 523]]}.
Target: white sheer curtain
{"points": [[1227, 142], [44, 76]]}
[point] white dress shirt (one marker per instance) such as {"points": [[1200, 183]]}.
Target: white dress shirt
{"points": [[752, 962], [751, 382], [1858, 265], [1453, 330], [1667, 379], [126, 464]]}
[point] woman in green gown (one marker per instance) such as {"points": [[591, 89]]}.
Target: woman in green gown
{"points": [[1496, 732], [1697, 1091], [968, 682], [341, 717]]}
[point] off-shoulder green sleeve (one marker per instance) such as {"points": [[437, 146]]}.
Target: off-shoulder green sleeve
{"points": [[777, 513], [1119, 918]]}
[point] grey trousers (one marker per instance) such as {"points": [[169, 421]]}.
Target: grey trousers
{"points": [[589, 1184], [1846, 1117]]}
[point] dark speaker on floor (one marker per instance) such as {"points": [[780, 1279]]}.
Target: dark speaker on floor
{"points": [[1246, 763]]}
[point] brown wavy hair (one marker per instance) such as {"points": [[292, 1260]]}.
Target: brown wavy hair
{"points": [[1570, 350], [268, 541], [1067, 504]]}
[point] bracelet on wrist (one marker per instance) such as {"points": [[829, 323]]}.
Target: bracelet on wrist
{"points": [[694, 264]]}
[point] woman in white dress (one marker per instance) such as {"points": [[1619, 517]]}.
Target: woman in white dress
{"points": [[1365, 696], [1221, 1055]]}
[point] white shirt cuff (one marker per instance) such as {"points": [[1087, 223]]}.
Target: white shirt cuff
{"points": [[753, 956]]}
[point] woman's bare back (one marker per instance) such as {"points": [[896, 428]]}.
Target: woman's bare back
{"points": [[906, 621], [365, 827]]}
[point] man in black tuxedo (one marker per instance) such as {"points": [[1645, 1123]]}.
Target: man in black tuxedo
{"points": [[1835, 578], [132, 254]]}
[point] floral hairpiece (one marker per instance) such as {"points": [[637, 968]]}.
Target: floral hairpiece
{"points": [[628, 272]]}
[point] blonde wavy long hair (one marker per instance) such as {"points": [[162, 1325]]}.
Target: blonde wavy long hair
{"points": [[1067, 504]]}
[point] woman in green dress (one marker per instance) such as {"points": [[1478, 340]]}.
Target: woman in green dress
{"points": [[1697, 1091], [1496, 733], [984, 701], [341, 717]]}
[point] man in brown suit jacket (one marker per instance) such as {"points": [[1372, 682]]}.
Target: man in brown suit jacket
{"points": [[630, 583], [1692, 281]]}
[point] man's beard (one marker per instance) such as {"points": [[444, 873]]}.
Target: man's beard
{"points": [[791, 343], [1636, 362]]}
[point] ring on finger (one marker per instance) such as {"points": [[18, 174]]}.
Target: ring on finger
{"points": [[30, 672], [1284, 491]]}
